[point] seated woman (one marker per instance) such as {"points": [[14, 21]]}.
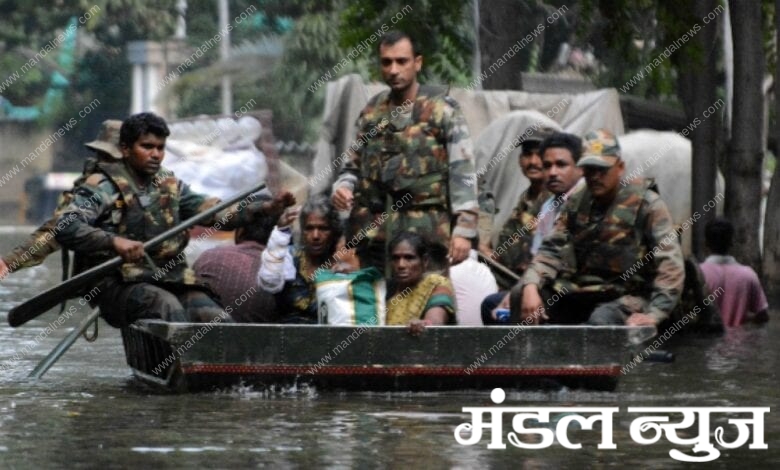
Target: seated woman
{"points": [[414, 297], [289, 273]]}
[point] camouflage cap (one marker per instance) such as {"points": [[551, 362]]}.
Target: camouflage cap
{"points": [[599, 148], [108, 139], [533, 137]]}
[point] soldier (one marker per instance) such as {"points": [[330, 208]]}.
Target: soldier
{"points": [[513, 249], [560, 153], [613, 258], [411, 167], [41, 243], [127, 202]]}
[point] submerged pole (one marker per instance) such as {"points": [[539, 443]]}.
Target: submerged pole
{"points": [[64, 345]]}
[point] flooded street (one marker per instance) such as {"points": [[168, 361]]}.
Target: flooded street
{"points": [[88, 411]]}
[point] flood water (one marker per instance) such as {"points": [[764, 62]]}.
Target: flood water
{"points": [[88, 411]]}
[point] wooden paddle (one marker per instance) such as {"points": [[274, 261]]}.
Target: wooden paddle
{"points": [[499, 267], [42, 302]]}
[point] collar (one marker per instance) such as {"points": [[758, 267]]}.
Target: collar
{"points": [[720, 259]]}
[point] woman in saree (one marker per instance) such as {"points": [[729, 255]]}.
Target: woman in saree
{"points": [[416, 297]]}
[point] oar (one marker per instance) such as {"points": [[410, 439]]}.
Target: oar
{"points": [[500, 267], [44, 301], [64, 345]]}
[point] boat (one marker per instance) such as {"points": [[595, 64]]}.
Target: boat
{"points": [[190, 357]]}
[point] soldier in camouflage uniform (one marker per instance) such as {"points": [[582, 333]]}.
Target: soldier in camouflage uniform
{"points": [[128, 202], [513, 248], [411, 167], [613, 258], [42, 243]]}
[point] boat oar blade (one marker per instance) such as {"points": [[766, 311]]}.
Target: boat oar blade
{"points": [[44, 301]]}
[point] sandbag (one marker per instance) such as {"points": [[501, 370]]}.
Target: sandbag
{"points": [[356, 298]]}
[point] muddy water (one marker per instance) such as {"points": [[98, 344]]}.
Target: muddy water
{"points": [[88, 411]]}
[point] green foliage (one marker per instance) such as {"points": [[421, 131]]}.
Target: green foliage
{"points": [[442, 30], [311, 52], [628, 35], [119, 21], [316, 48], [27, 90]]}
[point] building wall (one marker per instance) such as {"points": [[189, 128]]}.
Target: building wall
{"points": [[18, 163]]}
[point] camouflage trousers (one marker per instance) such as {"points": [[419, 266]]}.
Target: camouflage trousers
{"points": [[579, 307], [433, 223], [121, 304]]}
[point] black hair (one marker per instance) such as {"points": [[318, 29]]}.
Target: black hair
{"points": [[395, 35], [564, 140], [321, 205], [139, 124], [259, 230], [719, 235], [418, 243], [528, 146]]}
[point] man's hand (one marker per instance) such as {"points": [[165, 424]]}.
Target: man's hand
{"points": [[342, 199], [288, 217], [278, 204], [532, 309], [640, 319], [3, 269], [503, 304], [131, 251], [459, 249]]}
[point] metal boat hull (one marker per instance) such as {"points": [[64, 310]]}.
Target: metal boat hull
{"points": [[194, 356]]}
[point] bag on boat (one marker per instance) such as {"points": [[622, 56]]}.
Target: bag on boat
{"points": [[356, 298]]}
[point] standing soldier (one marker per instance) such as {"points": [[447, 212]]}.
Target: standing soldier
{"points": [[413, 168]]}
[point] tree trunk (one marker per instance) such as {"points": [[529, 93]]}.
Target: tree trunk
{"points": [[771, 263], [701, 83], [502, 24], [745, 150]]}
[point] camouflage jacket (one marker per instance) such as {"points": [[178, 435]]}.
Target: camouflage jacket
{"points": [[41, 243], [414, 167], [35, 248], [513, 248], [629, 247], [109, 203]]}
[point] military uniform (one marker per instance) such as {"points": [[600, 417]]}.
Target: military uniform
{"points": [[615, 260], [35, 249], [109, 203], [41, 243], [513, 248], [410, 169]]}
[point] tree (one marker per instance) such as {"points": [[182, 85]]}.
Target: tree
{"points": [[745, 149], [697, 88], [771, 265], [100, 69], [674, 54]]}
